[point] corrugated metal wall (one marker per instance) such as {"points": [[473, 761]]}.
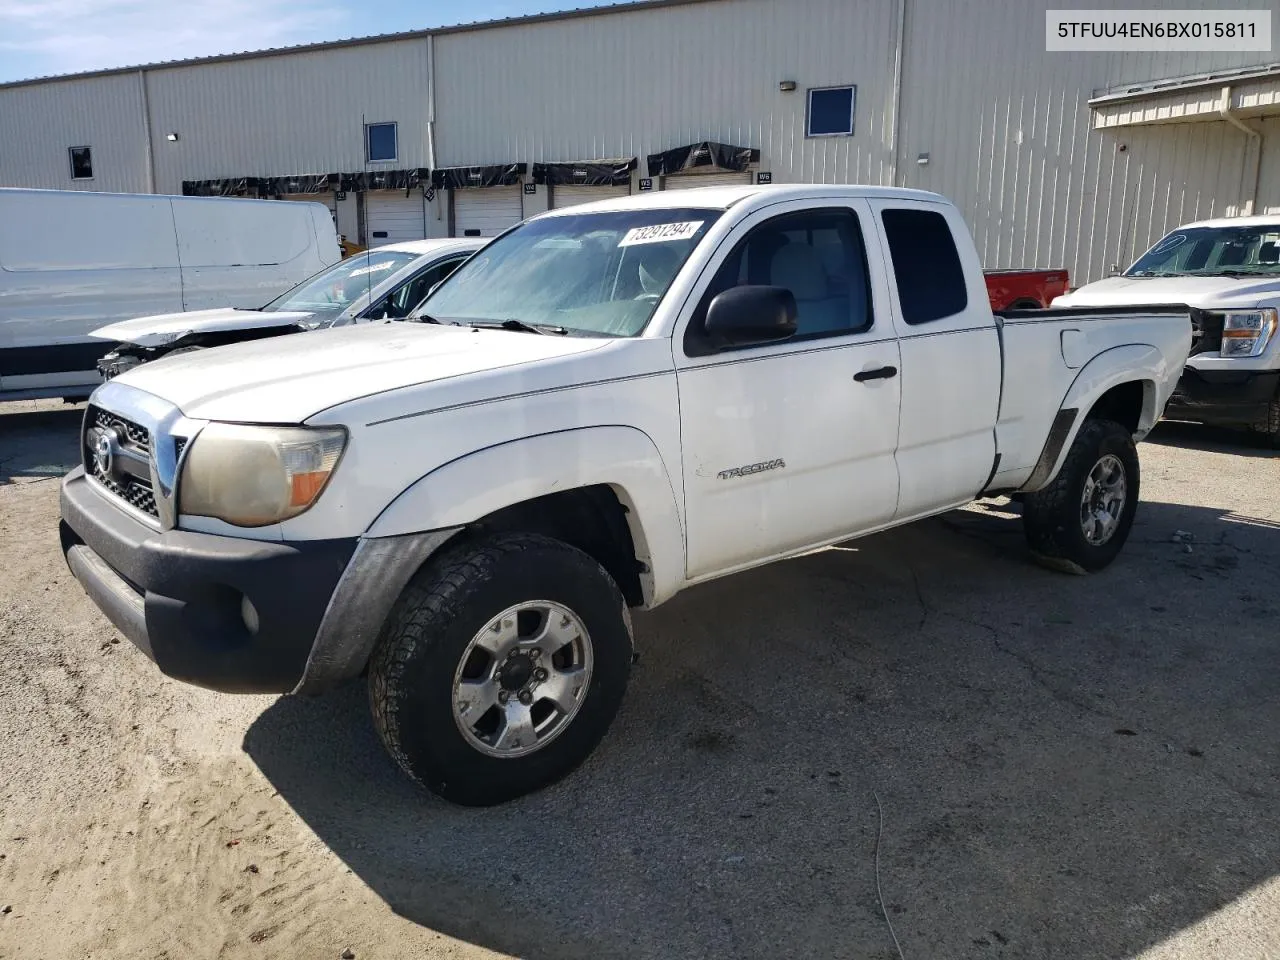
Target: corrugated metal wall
{"points": [[1269, 172], [39, 123], [633, 83], [1011, 140], [290, 114], [1007, 127]]}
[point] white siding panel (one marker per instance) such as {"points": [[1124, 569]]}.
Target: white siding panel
{"points": [[40, 121], [631, 83], [299, 113], [1011, 137], [1269, 171]]}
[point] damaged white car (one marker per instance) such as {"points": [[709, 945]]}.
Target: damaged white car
{"points": [[385, 283]]}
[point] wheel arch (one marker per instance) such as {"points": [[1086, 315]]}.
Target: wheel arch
{"points": [[603, 489], [1118, 384]]}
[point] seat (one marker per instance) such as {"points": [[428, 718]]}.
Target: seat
{"points": [[798, 267], [1269, 252]]}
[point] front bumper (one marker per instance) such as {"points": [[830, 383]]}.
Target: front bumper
{"points": [[178, 595], [1225, 397]]}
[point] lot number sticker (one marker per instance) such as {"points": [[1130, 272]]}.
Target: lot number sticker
{"points": [[660, 233]]}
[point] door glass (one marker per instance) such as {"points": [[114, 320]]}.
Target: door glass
{"points": [[818, 255], [401, 302]]}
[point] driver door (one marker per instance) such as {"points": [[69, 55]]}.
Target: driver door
{"points": [[790, 444]]}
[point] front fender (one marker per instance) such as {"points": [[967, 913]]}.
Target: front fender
{"points": [[478, 484], [1133, 362]]}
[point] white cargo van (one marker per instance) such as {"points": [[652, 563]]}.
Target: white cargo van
{"points": [[72, 261]]}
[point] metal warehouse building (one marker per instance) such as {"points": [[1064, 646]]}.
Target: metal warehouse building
{"points": [[1056, 159]]}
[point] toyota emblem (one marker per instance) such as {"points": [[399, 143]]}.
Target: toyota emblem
{"points": [[103, 453]]}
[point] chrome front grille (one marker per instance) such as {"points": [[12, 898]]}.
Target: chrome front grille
{"points": [[130, 432], [123, 467], [132, 444]]}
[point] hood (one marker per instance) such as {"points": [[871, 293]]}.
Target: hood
{"points": [[165, 328], [288, 379], [1210, 293]]}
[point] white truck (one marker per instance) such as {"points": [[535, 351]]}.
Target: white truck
{"points": [[1229, 270], [606, 405]]}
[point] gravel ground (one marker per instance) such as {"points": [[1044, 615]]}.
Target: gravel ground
{"points": [[1067, 767]]}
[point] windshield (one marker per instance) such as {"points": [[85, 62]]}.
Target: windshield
{"points": [[1213, 252], [593, 274], [332, 290]]}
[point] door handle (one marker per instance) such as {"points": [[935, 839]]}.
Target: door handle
{"points": [[880, 373]]}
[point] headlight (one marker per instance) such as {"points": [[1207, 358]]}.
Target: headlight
{"points": [[251, 476], [1245, 333]]}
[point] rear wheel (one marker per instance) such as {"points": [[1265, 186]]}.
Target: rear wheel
{"points": [[1081, 521], [501, 668]]}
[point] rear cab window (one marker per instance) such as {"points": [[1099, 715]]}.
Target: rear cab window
{"points": [[926, 264]]}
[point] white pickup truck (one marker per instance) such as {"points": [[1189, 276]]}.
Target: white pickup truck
{"points": [[1230, 271], [606, 405]]}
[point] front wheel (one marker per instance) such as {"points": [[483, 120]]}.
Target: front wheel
{"points": [[501, 668], [1269, 426], [1082, 519]]}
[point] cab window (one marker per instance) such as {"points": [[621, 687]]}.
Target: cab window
{"points": [[816, 254], [399, 303]]}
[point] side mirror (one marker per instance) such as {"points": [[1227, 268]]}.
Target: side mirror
{"points": [[744, 315]]}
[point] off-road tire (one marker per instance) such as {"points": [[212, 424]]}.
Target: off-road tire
{"points": [[1269, 427], [412, 670], [1051, 516]]}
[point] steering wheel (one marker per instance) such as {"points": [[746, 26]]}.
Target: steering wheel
{"points": [[648, 298]]}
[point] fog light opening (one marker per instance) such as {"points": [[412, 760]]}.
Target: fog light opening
{"points": [[249, 614]]}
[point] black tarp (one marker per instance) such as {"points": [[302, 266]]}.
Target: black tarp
{"points": [[308, 183], [405, 180], [223, 187], [708, 153], [494, 175], [592, 173]]}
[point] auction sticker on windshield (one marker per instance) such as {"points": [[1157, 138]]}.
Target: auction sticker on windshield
{"points": [[660, 233]]}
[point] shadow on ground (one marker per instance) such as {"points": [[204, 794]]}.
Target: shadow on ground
{"points": [[38, 443], [1069, 767], [1199, 436]]}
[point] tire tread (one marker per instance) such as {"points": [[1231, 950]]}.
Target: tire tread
{"points": [[433, 598]]}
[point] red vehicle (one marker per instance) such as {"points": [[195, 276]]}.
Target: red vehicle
{"points": [[1025, 289]]}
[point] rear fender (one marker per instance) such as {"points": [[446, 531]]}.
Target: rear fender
{"points": [[465, 490], [1126, 364]]}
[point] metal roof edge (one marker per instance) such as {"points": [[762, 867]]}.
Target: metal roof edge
{"points": [[576, 13], [1141, 91]]}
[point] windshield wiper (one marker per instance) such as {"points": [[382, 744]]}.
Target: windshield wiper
{"points": [[519, 325]]}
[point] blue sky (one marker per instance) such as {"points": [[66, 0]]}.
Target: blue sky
{"points": [[44, 37]]}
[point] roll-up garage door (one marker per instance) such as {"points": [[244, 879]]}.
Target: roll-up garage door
{"points": [[570, 195], [486, 211], [686, 181], [391, 217]]}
